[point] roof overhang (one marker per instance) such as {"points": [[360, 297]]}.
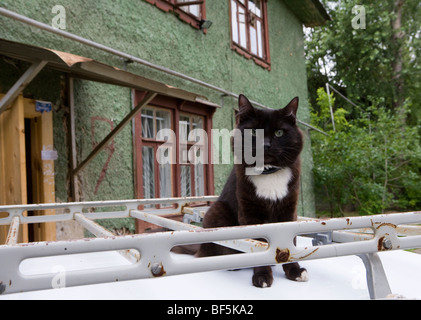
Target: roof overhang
{"points": [[310, 12], [86, 68], [89, 69]]}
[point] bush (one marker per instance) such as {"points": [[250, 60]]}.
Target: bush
{"points": [[371, 163]]}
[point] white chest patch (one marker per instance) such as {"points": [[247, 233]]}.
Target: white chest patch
{"points": [[272, 186]]}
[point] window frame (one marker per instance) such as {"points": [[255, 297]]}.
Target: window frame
{"points": [[176, 107], [171, 6], [246, 52], [153, 143], [189, 145]]}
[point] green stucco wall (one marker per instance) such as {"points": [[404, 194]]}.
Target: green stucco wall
{"points": [[143, 30]]}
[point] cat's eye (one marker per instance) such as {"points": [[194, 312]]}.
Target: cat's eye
{"points": [[279, 133]]}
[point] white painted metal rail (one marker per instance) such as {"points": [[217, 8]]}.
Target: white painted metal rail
{"points": [[149, 254]]}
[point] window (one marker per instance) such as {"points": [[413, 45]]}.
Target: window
{"points": [[192, 172], [188, 171], [190, 11], [193, 9], [249, 30], [157, 177]]}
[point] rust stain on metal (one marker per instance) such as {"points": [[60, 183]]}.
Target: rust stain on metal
{"points": [[11, 236], [158, 270], [161, 273], [183, 206], [200, 230], [282, 255], [257, 243], [260, 244], [323, 223], [348, 222], [385, 244], [309, 254], [380, 244], [386, 224]]}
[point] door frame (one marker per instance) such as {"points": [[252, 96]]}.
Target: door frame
{"points": [[13, 164]]}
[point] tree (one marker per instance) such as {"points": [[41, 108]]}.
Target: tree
{"points": [[371, 54], [378, 65], [370, 163], [397, 64]]}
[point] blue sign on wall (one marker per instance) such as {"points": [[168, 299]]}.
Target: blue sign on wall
{"points": [[43, 106]]}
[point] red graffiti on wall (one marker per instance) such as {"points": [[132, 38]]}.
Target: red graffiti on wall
{"points": [[110, 148]]}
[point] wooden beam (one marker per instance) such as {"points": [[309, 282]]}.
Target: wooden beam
{"points": [[46, 173], [148, 98], [21, 84], [74, 180]]}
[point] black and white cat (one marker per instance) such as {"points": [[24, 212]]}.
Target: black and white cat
{"points": [[268, 197]]}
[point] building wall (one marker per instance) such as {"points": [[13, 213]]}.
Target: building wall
{"points": [[143, 30]]}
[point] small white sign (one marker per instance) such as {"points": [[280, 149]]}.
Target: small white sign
{"points": [[49, 155]]}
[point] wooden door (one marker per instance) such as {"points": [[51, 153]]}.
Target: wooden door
{"points": [[12, 162], [40, 167], [26, 164]]}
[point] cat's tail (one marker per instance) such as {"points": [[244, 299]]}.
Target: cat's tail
{"points": [[191, 249]]}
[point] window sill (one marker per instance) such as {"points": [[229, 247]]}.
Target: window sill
{"points": [[249, 56], [182, 15]]}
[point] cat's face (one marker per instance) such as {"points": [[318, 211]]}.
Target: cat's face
{"points": [[282, 142]]}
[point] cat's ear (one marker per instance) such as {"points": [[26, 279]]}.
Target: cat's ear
{"points": [[290, 110], [246, 109], [244, 104]]}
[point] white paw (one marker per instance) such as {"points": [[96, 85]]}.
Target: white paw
{"points": [[303, 278]]}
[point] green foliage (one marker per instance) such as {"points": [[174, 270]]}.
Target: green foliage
{"points": [[321, 116], [359, 62], [370, 163]]}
